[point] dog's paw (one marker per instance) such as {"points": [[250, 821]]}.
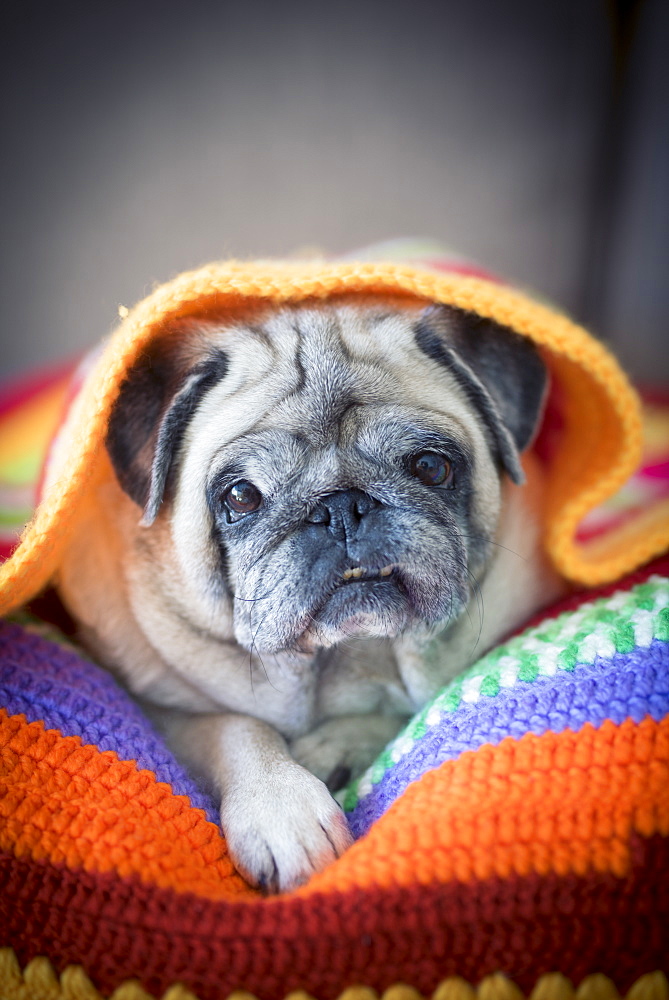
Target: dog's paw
{"points": [[341, 748], [283, 828]]}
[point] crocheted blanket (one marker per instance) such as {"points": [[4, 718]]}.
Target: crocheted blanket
{"points": [[519, 824]]}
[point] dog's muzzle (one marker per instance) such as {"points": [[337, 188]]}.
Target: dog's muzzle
{"points": [[360, 567], [367, 595]]}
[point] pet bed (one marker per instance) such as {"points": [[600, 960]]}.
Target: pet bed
{"points": [[518, 826]]}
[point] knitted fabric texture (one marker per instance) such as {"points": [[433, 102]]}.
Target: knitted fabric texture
{"points": [[602, 661], [596, 450], [521, 824]]}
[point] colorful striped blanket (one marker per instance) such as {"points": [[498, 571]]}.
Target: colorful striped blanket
{"points": [[519, 825], [517, 828]]}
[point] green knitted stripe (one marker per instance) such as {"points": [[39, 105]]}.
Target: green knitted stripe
{"points": [[617, 624]]}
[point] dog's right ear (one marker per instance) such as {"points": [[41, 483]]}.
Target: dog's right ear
{"points": [[155, 404], [500, 371]]}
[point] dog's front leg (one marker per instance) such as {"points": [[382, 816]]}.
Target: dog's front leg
{"points": [[280, 822]]}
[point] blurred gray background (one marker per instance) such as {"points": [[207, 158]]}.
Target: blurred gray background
{"points": [[148, 137]]}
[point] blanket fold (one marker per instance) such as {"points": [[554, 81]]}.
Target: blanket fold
{"points": [[595, 450]]}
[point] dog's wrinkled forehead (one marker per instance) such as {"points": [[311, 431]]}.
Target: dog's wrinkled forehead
{"points": [[323, 364], [308, 391], [321, 373], [320, 394]]}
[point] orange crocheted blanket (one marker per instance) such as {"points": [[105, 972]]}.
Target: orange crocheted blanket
{"points": [[594, 451]]}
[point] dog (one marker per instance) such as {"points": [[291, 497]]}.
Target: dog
{"points": [[318, 516]]}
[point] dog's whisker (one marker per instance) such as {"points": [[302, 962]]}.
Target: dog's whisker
{"points": [[479, 603], [259, 656], [253, 600], [279, 667], [253, 644], [491, 541]]}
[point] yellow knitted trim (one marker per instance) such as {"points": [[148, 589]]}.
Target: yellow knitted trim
{"points": [[600, 448], [38, 981]]}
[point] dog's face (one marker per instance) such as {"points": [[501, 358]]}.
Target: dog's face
{"points": [[325, 470]]}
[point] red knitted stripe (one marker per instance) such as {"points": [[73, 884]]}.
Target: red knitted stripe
{"points": [[525, 927]]}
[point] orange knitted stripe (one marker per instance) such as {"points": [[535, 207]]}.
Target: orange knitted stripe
{"points": [[71, 804], [556, 803]]}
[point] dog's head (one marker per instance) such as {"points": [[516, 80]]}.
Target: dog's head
{"points": [[327, 470]]}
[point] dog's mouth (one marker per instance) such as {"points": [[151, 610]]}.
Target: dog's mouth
{"points": [[359, 574], [370, 598], [363, 601]]}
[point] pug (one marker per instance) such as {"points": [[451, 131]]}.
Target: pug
{"points": [[318, 516]]}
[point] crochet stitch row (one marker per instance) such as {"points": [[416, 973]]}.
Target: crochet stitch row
{"points": [[38, 981], [71, 804], [599, 629]]}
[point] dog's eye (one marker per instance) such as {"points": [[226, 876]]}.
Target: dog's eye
{"points": [[243, 497], [431, 468]]}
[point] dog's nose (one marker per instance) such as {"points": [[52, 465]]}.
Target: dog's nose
{"points": [[343, 511]]}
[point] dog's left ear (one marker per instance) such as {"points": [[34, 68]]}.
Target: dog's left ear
{"points": [[500, 371], [156, 402]]}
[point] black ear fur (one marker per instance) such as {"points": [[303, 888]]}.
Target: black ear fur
{"points": [[156, 402], [501, 372]]}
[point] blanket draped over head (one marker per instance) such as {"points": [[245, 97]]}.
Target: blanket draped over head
{"points": [[598, 446], [519, 824]]}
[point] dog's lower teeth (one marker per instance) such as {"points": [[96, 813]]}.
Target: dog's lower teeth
{"points": [[357, 571], [353, 574]]}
